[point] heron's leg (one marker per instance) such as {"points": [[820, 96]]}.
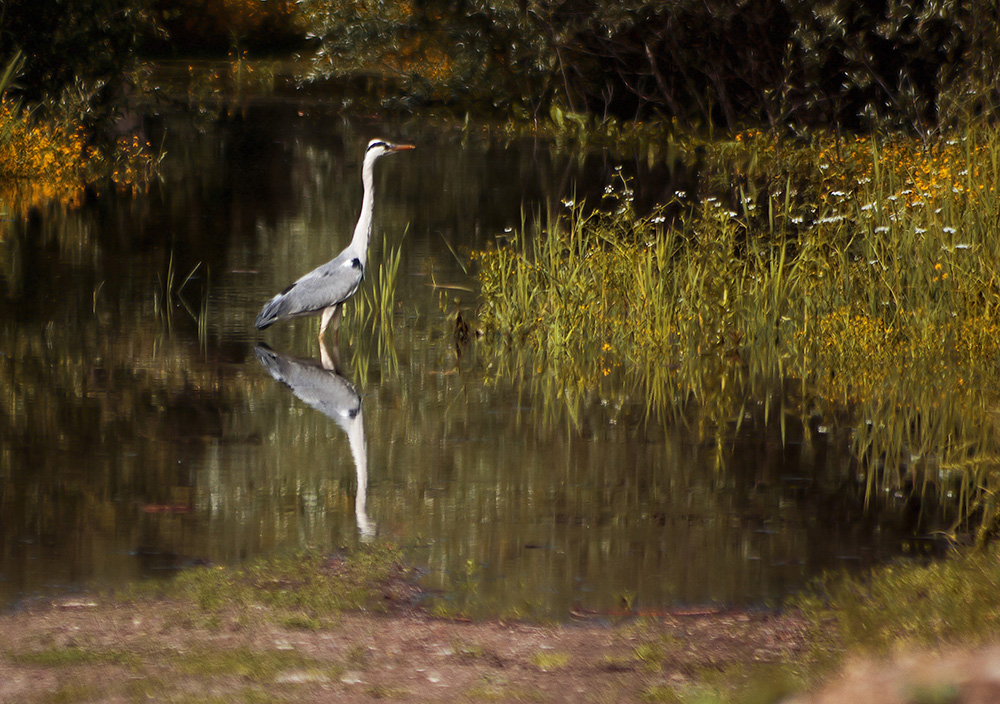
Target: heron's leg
{"points": [[336, 325], [328, 313]]}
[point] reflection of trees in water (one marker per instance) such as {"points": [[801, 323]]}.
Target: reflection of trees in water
{"points": [[97, 428]]}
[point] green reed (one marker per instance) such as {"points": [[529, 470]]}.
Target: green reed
{"points": [[168, 294], [864, 269], [375, 305]]}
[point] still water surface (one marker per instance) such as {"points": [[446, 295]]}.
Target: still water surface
{"points": [[143, 429]]}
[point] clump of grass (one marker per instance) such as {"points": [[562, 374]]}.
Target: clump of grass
{"points": [[863, 270], [374, 308], [300, 590], [756, 683], [549, 660], [471, 651], [650, 655], [358, 656], [168, 295], [956, 600]]}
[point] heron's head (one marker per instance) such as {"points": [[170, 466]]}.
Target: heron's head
{"points": [[380, 147]]}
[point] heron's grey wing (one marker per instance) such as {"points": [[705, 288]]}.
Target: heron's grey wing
{"points": [[323, 389], [327, 285]]}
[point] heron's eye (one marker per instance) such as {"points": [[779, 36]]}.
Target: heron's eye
{"points": [[376, 144]]}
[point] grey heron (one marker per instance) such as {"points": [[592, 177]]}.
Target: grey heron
{"points": [[324, 289], [320, 384]]}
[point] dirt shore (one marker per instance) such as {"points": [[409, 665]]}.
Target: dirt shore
{"points": [[353, 628], [94, 650]]}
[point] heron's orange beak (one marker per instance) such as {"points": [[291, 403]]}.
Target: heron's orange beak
{"points": [[401, 147]]}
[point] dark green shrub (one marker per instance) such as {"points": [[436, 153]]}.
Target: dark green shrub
{"points": [[91, 42], [844, 63], [217, 27]]}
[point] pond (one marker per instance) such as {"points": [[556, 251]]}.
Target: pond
{"points": [[144, 427]]}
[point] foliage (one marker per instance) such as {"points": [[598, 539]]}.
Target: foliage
{"points": [[48, 159], [222, 26], [86, 46], [703, 62], [484, 53], [865, 269], [859, 64], [42, 159], [62, 88]]}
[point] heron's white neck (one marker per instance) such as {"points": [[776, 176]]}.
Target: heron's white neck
{"points": [[363, 230]]}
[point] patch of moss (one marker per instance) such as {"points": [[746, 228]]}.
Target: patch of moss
{"points": [[303, 622], [500, 690], [146, 689], [74, 655], [738, 683], [661, 693], [472, 651], [307, 586], [71, 694], [379, 691], [259, 666]]}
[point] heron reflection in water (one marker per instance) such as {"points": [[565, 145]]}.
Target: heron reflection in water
{"points": [[319, 383]]}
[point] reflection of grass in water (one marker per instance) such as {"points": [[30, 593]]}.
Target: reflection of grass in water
{"points": [[875, 284]]}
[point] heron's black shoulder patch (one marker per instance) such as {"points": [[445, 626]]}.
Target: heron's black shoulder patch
{"points": [[356, 263], [290, 287]]}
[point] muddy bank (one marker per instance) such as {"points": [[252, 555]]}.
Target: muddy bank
{"points": [[98, 650]]}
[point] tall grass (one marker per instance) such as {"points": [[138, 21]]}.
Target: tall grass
{"points": [[374, 308], [863, 269]]}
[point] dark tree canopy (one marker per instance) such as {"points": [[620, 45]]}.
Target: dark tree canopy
{"points": [[780, 63]]}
